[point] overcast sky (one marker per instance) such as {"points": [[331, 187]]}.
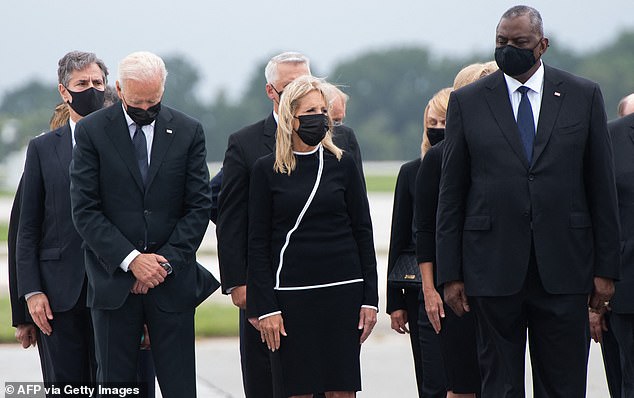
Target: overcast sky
{"points": [[225, 39]]}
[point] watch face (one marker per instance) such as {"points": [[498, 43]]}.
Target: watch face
{"points": [[167, 267]]}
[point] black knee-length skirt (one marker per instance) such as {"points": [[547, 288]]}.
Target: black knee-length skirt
{"points": [[321, 351]]}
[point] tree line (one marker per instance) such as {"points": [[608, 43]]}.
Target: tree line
{"points": [[388, 91]]}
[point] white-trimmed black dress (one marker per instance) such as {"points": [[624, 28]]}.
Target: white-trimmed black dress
{"points": [[311, 257]]}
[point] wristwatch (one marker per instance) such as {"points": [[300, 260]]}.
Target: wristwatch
{"points": [[167, 267]]}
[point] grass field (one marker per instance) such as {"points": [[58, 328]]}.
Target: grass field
{"points": [[212, 320], [380, 183], [4, 230]]}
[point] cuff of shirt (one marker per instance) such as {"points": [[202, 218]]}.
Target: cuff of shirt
{"points": [[268, 315], [29, 295], [371, 307], [125, 264]]}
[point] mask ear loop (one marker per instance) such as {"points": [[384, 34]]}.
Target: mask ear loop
{"points": [[299, 218]]}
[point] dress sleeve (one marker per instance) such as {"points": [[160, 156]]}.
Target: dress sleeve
{"points": [[427, 187], [400, 236], [260, 280], [359, 213]]}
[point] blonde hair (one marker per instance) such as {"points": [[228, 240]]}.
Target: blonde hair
{"points": [[437, 103], [473, 72], [285, 161], [60, 117]]}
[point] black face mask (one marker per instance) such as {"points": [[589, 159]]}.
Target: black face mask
{"points": [[143, 117], [435, 135], [87, 101], [515, 61], [312, 128]]}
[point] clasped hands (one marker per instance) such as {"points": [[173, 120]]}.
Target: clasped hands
{"points": [[148, 272]]}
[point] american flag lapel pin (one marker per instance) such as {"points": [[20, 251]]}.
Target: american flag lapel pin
{"points": [[557, 94], [168, 131]]}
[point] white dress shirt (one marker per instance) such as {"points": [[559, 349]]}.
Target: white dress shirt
{"points": [[536, 86]]}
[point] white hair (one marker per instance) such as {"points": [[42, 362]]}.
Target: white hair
{"points": [[333, 92], [270, 72], [142, 66]]}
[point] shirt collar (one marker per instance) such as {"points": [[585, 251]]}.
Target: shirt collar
{"points": [[276, 117], [535, 83], [72, 130]]}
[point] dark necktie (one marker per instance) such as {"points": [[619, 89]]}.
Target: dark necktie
{"points": [[526, 123], [140, 147]]}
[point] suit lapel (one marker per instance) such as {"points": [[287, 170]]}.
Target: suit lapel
{"points": [[552, 97], [164, 134], [270, 129], [497, 96], [119, 133], [64, 149]]}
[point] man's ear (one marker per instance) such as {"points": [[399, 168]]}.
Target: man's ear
{"points": [[545, 45], [63, 92], [270, 92], [117, 87]]}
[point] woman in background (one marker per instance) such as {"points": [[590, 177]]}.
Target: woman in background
{"points": [[406, 305], [457, 334]]}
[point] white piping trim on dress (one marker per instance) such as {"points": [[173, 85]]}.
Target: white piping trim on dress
{"points": [[319, 286], [299, 218]]}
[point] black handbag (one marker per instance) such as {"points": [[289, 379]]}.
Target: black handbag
{"points": [[405, 273]]}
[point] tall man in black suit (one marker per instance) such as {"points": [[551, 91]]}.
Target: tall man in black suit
{"points": [[527, 222], [141, 201], [621, 317], [49, 268], [244, 148]]}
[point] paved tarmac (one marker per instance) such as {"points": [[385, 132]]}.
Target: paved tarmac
{"points": [[387, 368]]}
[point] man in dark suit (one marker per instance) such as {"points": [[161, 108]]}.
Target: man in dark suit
{"points": [[244, 148], [25, 332], [49, 269], [621, 317], [527, 219], [140, 200]]}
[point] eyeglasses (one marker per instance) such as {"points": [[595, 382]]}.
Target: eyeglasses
{"points": [[279, 93]]}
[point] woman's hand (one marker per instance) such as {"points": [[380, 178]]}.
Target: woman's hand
{"points": [[367, 320], [399, 321], [271, 328], [434, 308]]}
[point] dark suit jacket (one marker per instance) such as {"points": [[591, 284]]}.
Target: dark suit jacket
{"points": [[19, 311], [402, 237], [622, 132], [48, 246], [244, 148], [493, 205], [116, 214]]}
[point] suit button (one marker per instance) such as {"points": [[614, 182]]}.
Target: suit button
{"points": [[531, 177], [139, 243], [146, 212], [526, 214]]}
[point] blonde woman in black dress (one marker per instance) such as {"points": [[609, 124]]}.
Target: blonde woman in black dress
{"points": [[312, 282]]}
